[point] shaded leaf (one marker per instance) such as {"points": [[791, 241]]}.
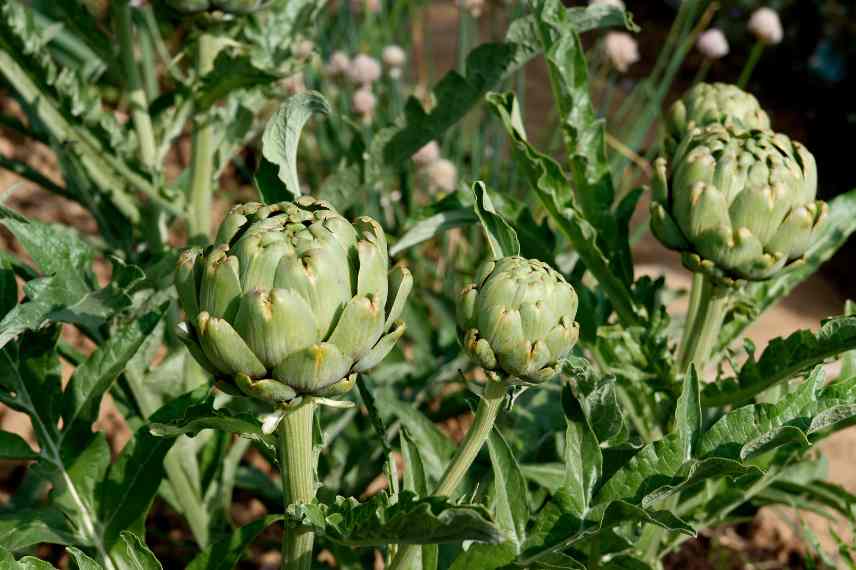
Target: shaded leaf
{"points": [[226, 553], [25, 528], [511, 499], [501, 237]]}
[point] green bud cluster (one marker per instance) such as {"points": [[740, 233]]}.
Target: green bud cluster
{"points": [[291, 299], [517, 319], [712, 104]]}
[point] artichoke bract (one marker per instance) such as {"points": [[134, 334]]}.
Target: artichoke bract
{"points": [[737, 204], [708, 104], [517, 319], [291, 299]]}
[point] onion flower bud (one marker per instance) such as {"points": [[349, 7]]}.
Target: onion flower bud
{"points": [[764, 23]]}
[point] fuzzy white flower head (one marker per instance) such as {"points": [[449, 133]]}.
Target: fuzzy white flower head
{"points": [[364, 69], [339, 64], [364, 101], [621, 49], [442, 175], [474, 7], [616, 3], [303, 49], [427, 154], [712, 44], [766, 26], [394, 56]]}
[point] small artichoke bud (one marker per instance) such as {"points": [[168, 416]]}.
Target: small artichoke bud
{"points": [[517, 319], [708, 104], [292, 299], [739, 205]]}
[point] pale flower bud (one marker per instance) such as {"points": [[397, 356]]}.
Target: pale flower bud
{"points": [[766, 26], [621, 49], [364, 102], [616, 3], [370, 6], [339, 64], [394, 56], [303, 49], [364, 69], [442, 175], [474, 7], [712, 44], [294, 83], [427, 154]]}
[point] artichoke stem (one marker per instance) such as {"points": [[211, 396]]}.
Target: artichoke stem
{"points": [[703, 330], [692, 310], [297, 466], [486, 413], [202, 153]]}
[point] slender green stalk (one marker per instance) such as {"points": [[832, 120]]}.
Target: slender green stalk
{"points": [[297, 465], [692, 310], [134, 88], [485, 417], [202, 153], [704, 330], [702, 72], [750, 64]]}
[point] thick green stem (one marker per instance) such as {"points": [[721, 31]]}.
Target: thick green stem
{"points": [[134, 88], [751, 62], [704, 329], [486, 413], [202, 153], [297, 465], [692, 310]]}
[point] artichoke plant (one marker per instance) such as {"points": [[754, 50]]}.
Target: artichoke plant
{"points": [[291, 299], [709, 104], [517, 319], [737, 204]]}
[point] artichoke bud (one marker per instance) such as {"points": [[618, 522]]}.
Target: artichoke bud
{"points": [[517, 319], [712, 104], [739, 205], [291, 300]]}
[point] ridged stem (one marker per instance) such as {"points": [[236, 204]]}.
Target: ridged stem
{"points": [[297, 466], [202, 153], [692, 310], [134, 85], [483, 422], [704, 328]]}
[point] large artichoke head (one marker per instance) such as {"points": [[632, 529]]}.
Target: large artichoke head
{"points": [[517, 319], [737, 204], [291, 299], [712, 104]]}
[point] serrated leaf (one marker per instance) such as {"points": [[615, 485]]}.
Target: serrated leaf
{"points": [[82, 397], [510, 495], [82, 561], [230, 73], [15, 448], [281, 138], [132, 553], [410, 520], [25, 528], [548, 181], [501, 237], [226, 553], [132, 483], [784, 358], [583, 458]]}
